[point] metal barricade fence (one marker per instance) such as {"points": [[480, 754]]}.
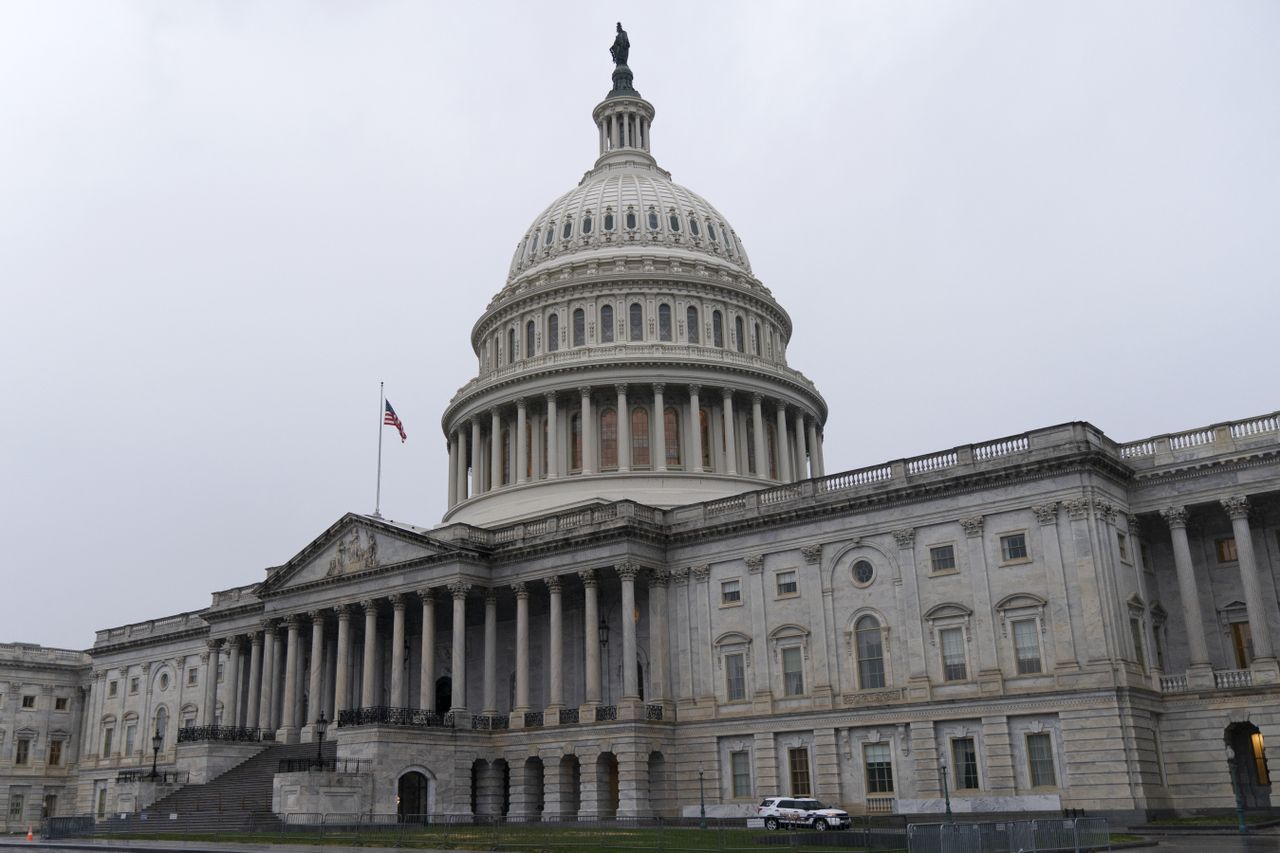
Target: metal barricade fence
{"points": [[1019, 836]]}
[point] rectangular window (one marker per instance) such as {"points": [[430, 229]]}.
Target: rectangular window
{"points": [[23, 754], [740, 765], [28, 701], [1122, 542], [792, 671], [112, 688], [878, 759], [1155, 635], [953, 658], [1026, 644], [50, 807], [222, 666], [1139, 648], [1013, 547], [788, 584], [1242, 644], [15, 808], [55, 753], [60, 704], [1226, 549], [1260, 758], [1040, 760], [130, 736], [133, 685], [192, 675], [964, 756], [735, 677], [798, 762], [731, 592], [106, 742], [942, 558]]}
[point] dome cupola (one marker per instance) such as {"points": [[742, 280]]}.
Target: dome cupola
{"points": [[632, 354]]}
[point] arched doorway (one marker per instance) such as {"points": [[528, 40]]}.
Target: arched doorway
{"points": [[606, 786], [657, 783], [1252, 776], [413, 800], [444, 694]]}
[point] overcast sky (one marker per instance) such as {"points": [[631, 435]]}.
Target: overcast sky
{"points": [[221, 224]]}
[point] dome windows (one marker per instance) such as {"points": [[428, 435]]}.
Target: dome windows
{"points": [[553, 332], [693, 226], [636, 321], [631, 219], [511, 346], [608, 219], [586, 223], [711, 230], [568, 229], [673, 219], [717, 329], [606, 324], [653, 219], [551, 234], [530, 339], [579, 327], [691, 321], [664, 322], [739, 335]]}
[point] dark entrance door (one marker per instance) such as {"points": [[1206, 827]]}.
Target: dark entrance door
{"points": [[412, 803], [444, 694], [1251, 772]]}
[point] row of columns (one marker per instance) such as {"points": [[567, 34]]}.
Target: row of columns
{"points": [[476, 445]]}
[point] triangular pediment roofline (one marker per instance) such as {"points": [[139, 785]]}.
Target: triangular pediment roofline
{"points": [[418, 546]]}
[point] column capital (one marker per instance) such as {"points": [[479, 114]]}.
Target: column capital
{"points": [[756, 398], [317, 615], [905, 537], [269, 626], [1046, 513], [521, 403], [584, 390], [427, 594], [490, 596], [1175, 516], [1237, 506], [620, 387], [204, 656], [343, 612], [726, 392], [680, 576], [1135, 526], [213, 645], [459, 590], [255, 639], [812, 554], [659, 577], [397, 600], [179, 662], [551, 396], [700, 572], [1104, 511], [755, 563], [695, 389], [628, 570], [1077, 508], [659, 387], [972, 525], [553, 584], [521, 589], [293, 620], [589, 577]]}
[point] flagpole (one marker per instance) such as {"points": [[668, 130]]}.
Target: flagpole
{"points": [[377, 501]]}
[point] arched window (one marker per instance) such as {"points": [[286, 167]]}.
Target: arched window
{"points": [[673, 219], [640, 455], [506, 456], [653, 219], [671, 429], [711, 231], [740, 338], [631, 219], [608, 219], [608, 439], [530, 339], [870, 644], [751, 446], [511, 345], [636, 324], [771, 433], [579, 327], [586, 223], [575, 441], [534, 246], [728, 240], [664, 322], [551, 234], [553, 331], [693, 225], [757, 337], [704, 424], [717, 329], [691, 321], [606, 324], [568, 229], [162, 724]]}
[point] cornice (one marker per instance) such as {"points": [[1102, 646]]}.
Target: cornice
{"points": [[1204, 468], [157, 640]]}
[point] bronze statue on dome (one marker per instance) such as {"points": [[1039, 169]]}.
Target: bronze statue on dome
{"points": [[621, 48]]}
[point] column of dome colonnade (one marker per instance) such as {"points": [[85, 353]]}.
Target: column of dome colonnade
{"points": [[577, 431]]}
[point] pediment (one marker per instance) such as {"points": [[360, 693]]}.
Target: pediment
{"points": [[355, 545]]}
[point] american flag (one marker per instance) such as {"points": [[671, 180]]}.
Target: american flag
{"points": [[390, 417]]}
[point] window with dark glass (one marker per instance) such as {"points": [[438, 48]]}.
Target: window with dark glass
{"points": [[673, 219], [711, 230], [878, 760], [964, 754], [568, 229], [511, 345], [664, 322], [1040, 760], [798, 762], [704, 425], [640, 454], [631, 219], [739, 338], [606, 324], [735, 677], [942, 558], [530, 339], [586, 224], [756, 327], [575, 441], [636, 321], [954, 663], [792, 671], [653, 219], [740, 766], [771, 439], [551, 234], [731, 592], [553, 332], [717, 329], [1013, 547], [608, 439], [608, 220], [1026, 646], [870, 653], [671, 428], [505, 438], [751, 446], [579, 327], [693, 225], [691, 320]]}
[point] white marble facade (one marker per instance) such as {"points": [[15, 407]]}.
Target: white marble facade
{"points": [[645, 573]]}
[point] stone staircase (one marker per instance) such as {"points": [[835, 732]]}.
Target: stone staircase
{"points": [[237, 801]]}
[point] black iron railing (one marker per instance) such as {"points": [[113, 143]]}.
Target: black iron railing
{"points": [[568, 715], [198, 734], [162, 777], [605, 713], [322, 765], [653, 712], [496, 721], [532, 719], [387, 716]]}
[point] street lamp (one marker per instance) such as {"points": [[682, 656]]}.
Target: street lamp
{"points": [[321, 726], [157, 741], [702, 802], [946, 794], [1233, 762], [604, 649]]}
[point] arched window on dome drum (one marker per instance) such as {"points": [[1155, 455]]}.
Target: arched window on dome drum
{"points": [[608, 439], [530, 339], [711, 231], [673, 219], [756, 331], [636, 321], [586, 224], [751, 446], [704, 424], [653, 219], [771, 434], [870, 644], [671, 430], [606, 324], [693, 225], [511, 345], [728, 240], [664, 322], [568, 229], [551, 234], [608, 220], [553, 331], [506, 456], [575, 441], [631, 219], [691, 322], [640, 455], [579, 327], [717, 329], [534, 246], [740, 338]]}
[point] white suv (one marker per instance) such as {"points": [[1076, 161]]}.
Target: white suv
{"points": [[801, 811]]}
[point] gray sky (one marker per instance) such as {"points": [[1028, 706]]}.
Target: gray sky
{"points": [[222, 223]]}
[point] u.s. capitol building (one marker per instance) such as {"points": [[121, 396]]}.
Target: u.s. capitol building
{"points": [[646, 578]]}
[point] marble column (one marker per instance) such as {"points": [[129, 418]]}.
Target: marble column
{"points": [[460, 439], [659, 646], [477, 482], [522, 648], [553, 439], [495, 448], [399, 697], [522, 445], [458, 701], [368, 670], [630, 686], [1176, 518], [783, 444], [760, 445], [1237, 508], [267, 696], [315, 686], [453, 471], [815, 448], [658, 429], [591, 627], [588, 432], [730, 446], [288, 716], [342, 674], [624, 429], [255, 679], [555, 659], [209, 660], [695, 433], [427, 680], [231, 689], [490, 652]]}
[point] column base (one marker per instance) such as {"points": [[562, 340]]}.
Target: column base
{"points": [[516, 718], [630, 709], [551, 716], [1200, 675], [288, 734], [1265, 670], [918, 688], [461, 718]]}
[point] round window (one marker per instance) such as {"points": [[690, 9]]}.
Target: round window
{"points": [[164, 681], [863, 572]]}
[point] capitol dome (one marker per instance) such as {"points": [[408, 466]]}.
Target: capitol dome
{"points": [[631, 353]]}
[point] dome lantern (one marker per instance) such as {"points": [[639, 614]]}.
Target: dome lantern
{"points": [[623, 118]]}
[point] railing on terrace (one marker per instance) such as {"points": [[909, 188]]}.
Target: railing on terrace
{"points": [[1173, 683], [568, 715], [606, 713], [239, 734], [533, 719], [1202, 436], [161, 777], [388, 716], [348, 766], [881, 805], [491, 723], [1233, 678], [653, 712]]}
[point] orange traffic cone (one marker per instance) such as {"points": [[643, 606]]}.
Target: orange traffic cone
{"points": [[30, 837]]}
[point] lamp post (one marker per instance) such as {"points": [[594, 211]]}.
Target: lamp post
{"points": [[1233, 762], [321, 725], [946, 794], [702, 802], [157, 741], [604, 653]]}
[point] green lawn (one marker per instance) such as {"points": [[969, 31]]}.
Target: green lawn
{"points": [[1210, 820]]}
